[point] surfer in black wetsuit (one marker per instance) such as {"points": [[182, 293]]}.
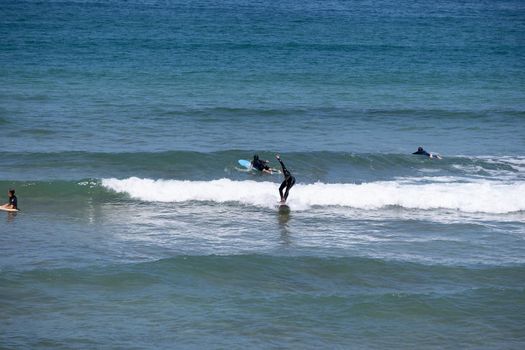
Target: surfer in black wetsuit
{"points": [[258, 163], [288, 182], [13, 201], [261, 165], [422, 152]]}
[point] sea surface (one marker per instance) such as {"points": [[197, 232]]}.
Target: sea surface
{"points": [[121, 124]]}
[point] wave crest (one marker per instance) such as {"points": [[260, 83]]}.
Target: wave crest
{"points": [[482, 196]]}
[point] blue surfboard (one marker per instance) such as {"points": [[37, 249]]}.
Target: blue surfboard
{"points": [[245, 163]]}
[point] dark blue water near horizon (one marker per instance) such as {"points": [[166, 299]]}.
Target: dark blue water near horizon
{"points": [[91, 75], [122, 123]]}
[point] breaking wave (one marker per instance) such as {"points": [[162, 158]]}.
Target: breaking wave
{"points": [[481, 196]]}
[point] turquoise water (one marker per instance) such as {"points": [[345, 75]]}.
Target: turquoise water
{"points": [[122, 123]]}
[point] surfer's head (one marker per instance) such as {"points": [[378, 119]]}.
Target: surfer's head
{"points": [[255, 157], [420, 149], [11, 192]]}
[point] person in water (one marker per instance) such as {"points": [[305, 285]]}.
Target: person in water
{"points": [[422, 152], [261, 165], [288, 182], [13, 201]]}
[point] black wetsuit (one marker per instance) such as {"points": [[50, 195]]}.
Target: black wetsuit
{"points": [[13, 201], [288, 182], [422, 152], [259, 164]]}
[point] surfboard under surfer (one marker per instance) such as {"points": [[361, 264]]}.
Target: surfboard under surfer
{"points": [[288, 182]]}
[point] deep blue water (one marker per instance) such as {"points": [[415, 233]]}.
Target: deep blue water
{"points": [[122, 123]]}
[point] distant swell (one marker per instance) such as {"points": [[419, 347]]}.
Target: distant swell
{"points": [[482, 196]]}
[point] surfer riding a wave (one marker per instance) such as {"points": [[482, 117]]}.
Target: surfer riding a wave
{"points": [[288, 182]]}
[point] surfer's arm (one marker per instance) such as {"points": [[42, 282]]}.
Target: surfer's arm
{"points": [[281, 162], [286, 173]]}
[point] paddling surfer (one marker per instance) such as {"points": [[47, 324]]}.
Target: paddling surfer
{"points": [[262, 165], [422, 152], [259, 164]]}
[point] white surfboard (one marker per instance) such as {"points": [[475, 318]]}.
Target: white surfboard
{"points": [[9, 210]]}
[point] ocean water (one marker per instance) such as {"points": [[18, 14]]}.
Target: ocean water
{"points": [[122, 123]]}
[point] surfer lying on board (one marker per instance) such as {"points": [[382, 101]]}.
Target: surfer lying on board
{"points": [[13, 201], [421, 151], [261, 165], [288, 182]]}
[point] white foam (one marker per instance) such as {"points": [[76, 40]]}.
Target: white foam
{"points": [[516, 162], [481, 196]]}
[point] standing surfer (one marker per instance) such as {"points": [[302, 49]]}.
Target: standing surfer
{"points": [[288, 182]]}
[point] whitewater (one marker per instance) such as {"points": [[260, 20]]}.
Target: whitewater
{"points": [[480, 196]]}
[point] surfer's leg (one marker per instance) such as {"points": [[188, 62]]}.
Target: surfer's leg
{"points": [[283, 185], [289, 184], [286, 193]]}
